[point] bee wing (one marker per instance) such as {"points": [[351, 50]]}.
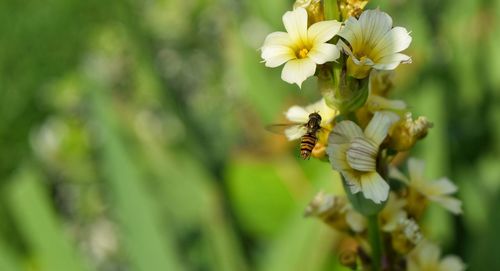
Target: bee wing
{"points": [[291, 131]]}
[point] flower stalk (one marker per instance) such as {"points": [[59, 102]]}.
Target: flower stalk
{"points": [[375, 240]]}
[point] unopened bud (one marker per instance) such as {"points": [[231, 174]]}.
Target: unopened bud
{"points": [[350, 8], [331, 209], [314, 10]]}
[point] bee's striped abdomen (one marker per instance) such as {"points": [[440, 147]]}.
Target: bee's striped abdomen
{"points": [[307, 144]]}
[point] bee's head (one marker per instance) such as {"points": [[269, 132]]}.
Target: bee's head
{"points": [[315, 116]]}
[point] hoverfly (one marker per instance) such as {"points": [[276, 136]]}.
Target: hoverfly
{"points": [[307, 132]]}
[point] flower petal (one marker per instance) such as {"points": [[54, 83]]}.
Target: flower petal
{"points": [[390, 62], [355, 220], [428, 253], [295, 132], [398, 175], [352, 33], [379, 126], [275, 55], [451, 263], [324, 52], [324, 31], [394, 41], [296, 25], [278, 38], [374, 24], [444, 186], [451, 204], [378, 103], [297, 114], [361, 155], [337, 156], [344, 132], [374, 187], [416, 170], [297, 71]]}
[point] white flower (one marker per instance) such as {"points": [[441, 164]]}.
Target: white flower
{"points": [[438, 191], [426, 257], [374, 43], [354, 154], [300, 115], [300, 47]]}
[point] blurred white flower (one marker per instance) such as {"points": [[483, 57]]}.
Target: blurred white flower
{"points": [[354, 153], [438, 191], [426, 257], [300, 115], [301, 48], [374, 43]]}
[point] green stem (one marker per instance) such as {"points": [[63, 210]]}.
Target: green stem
{"points": [[331, 10], [375, 242]]}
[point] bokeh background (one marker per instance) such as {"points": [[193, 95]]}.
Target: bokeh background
{"points": [[132, 135]]}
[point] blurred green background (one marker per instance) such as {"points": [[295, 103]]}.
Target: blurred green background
{"points": [[131, 135]]}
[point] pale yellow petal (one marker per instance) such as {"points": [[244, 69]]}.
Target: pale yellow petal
{"points": [[398, 175], [443, 186], [394, 41], [352, 33], [344, 132], [374, 24], [378, 103], [296, 25], [379, 126], [276, 55], [374, 187], [362, 154], [451, 263], [297, 71], [355, 220], [416, 170], [278, 38], [324, 52], [295, 132], [297, 114], [428, 252], [390, 62], [337, 156], [323, 31], [449, 203]]}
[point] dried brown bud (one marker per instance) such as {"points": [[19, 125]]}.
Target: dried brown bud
{"points": [[407, 131]]}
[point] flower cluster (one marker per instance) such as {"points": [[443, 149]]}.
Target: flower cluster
{"points": [[364, 135]]}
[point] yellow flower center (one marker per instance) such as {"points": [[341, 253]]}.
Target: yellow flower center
{"points": [[302, 53]]}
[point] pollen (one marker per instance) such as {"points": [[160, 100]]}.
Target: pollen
{"points": [[302, 53]]}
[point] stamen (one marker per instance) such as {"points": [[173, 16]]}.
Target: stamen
{"points": [[302, 53]]}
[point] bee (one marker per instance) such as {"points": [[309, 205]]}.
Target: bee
{"points": [[307, 132]]}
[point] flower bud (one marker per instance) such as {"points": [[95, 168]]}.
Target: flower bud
{"points": [[330, 209], [314, 10], [407, 131], [350, 8]]}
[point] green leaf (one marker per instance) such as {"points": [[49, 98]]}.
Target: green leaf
{"points": [[147, 238], [37, 222]]}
